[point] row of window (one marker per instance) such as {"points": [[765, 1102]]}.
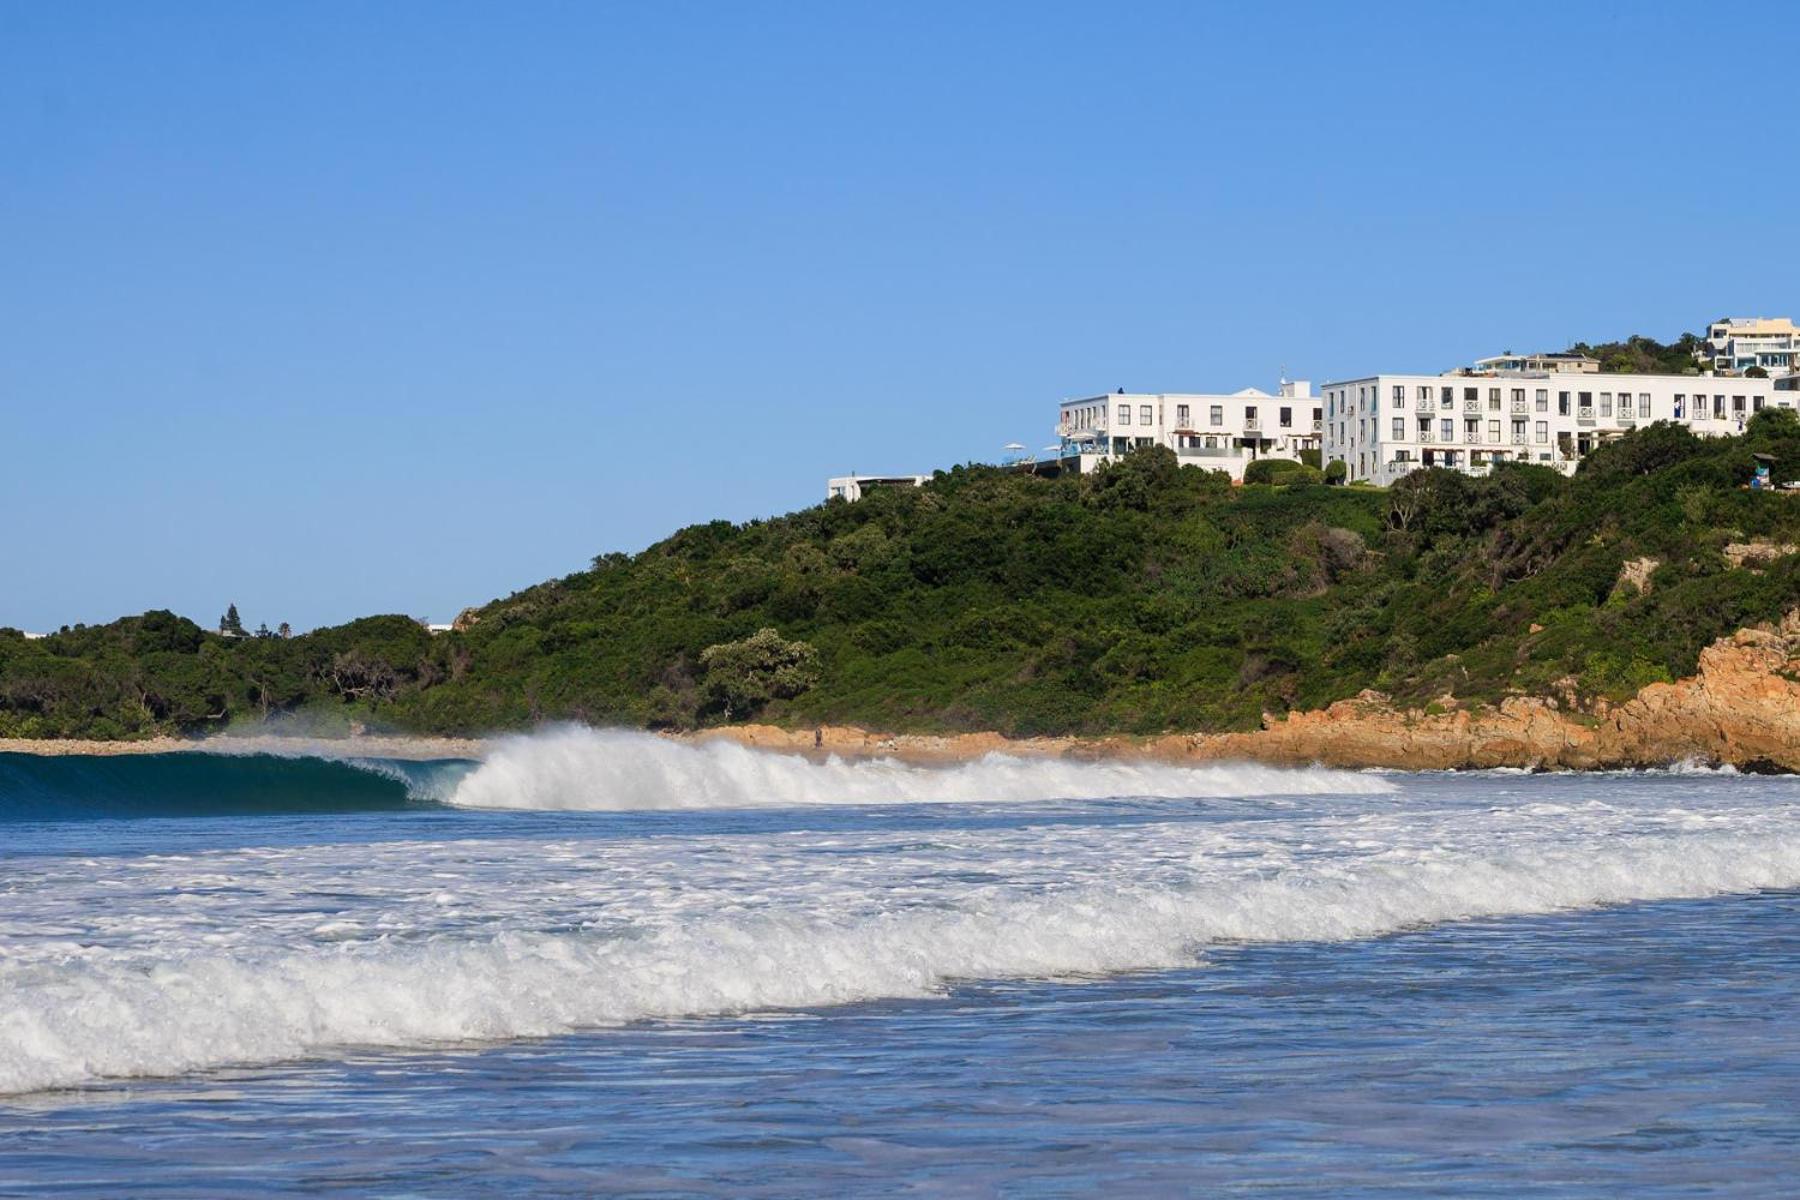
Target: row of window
{"points": [[1215, 415], [1444, 397]]}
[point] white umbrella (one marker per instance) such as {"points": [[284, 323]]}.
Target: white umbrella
{"points": [[1013, 446]]}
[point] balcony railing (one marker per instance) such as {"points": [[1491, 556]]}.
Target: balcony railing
{"points": [[1252, 424], [1471, 406], [1425, 404], [1318, 426], [1519, 440], [1425, 435], [1518, 406], [1585, 414]]}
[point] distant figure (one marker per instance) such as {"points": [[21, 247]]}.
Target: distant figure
{"points": [[818, 739]]}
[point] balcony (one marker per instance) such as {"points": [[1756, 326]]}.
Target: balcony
{"points": [[1209, 452], [1252, 424], [1585, 415], [1518, 407], [1318, 426], [1520, 440], [1425, 404], [1471, 406], [1425, 435]]}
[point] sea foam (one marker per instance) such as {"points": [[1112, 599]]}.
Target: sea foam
{"points": [[85, 1019], [576, 768]]}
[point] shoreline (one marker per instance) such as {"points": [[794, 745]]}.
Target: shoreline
{"points": [[1741, 708]]}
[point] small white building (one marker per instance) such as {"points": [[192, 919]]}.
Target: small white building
{"points": [[1218, 432], [1383, 426], [1563, 361], [1738, 343], [852, 487]]}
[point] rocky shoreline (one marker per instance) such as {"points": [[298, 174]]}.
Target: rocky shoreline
{"points": [[1742, 708]]}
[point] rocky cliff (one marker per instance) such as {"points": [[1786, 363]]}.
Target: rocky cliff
{"points": [[1742, 707]]}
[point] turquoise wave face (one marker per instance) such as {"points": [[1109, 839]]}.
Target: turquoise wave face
{"points": [[76, 787]]}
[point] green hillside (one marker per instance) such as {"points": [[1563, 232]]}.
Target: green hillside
{"points": [[1142, 598]]}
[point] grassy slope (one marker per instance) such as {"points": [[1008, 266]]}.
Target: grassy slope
{"points": [[1144, 598]]}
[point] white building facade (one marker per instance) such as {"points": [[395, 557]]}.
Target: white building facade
{"points": [[1217, 432], [1384, 426], [852, 487]]}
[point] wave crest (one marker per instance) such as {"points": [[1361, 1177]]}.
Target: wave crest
{"points": [[592, 770]]}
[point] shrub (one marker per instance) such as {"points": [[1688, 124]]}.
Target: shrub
{"points": [[1336, 472], [743, 676]]}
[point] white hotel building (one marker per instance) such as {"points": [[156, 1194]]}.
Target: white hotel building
{"points": [[1384, 426], [1221, 433]]}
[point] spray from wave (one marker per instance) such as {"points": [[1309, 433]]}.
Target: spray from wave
{"points": [[66, 1024], [588, 769]]}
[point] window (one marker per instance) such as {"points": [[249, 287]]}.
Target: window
{"points": [[1757, 404], [1737, 405], [1124, 414], [1447, 428], [1644, 405], [1315, 418], [1718, 408], [1587, 404], [1447, 397], [1543, 400], [1562, 403], [1493, 431], [1216, 416], [1625, 405], [1181, 415], [1680, 403], [1399, 393], [1424, 391], [1144, 417], [1606, 404], [1287, 418], [1471, 429], [1399, 429], [1543, 432], [1472, 394]]}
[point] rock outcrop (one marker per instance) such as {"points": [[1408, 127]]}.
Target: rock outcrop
{"points": [[1741, 707]]}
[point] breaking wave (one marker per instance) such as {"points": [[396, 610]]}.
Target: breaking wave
{"points": [[75, 1021], [198, 784], [590, 769]]}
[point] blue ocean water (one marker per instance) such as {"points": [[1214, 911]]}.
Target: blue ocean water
{"points": [[638, 969]]}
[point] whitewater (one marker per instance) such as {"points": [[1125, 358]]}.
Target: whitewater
{"points": [[579, 884]]}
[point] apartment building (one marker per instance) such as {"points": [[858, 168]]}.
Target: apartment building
{"points": [[1384, 426], [1738, 343], [1218, 432]]}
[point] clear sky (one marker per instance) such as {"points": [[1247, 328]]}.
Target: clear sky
{"points": [[331, 309]]}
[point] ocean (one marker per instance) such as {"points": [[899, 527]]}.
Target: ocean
{"points": [[602, 963]]}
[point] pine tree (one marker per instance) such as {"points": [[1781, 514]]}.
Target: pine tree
{"points": [[229, 624]]}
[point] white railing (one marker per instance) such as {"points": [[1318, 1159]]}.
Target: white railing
{"points": [[1584, 414], [1518, 406]]}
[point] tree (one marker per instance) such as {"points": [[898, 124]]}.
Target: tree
{"points": [[1336, 472], [743, 676], [1756, 373], [229, 624], [285, 631]]}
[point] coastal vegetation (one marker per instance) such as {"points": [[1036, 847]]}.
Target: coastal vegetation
{"points": [[1143, 597], [1640, 355]]}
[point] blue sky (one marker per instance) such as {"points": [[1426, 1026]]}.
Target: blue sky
{"points": [[346, 308]]}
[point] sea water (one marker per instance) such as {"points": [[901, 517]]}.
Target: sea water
{"points": [[604, 963]]}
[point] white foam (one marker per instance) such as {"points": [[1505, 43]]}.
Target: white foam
{"points": [[575, 768], [76, 1020]]}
